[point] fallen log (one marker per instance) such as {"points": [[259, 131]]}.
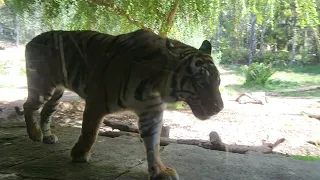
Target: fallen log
{"points": [[165, 131], [121, 127], [246, 98], [302, 89], [215, 143], [314, 116], [163, 142], [315, 143]]}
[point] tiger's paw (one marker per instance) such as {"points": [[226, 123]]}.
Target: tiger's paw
{"points": [[35, 133], [51, 139], [80, 157], [168, 174]]}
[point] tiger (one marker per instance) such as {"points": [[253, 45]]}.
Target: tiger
{"points": [[138, 71]]}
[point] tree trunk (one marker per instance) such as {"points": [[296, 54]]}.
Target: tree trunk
{"points": [[16, 22], [294, 37], [166, 26], [248, 33], [1, 30], [263, 31], [317, 39], [305, 39], [241, 36], [235, 39], [252, 38], [216, 42]]}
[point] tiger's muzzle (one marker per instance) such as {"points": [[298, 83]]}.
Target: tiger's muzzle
{"points": [[204, 106]]}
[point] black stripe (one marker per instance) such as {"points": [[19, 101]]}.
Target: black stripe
{"points": [[138, 94], [150, 128], [174, 83], [75, 77], [127, 81], [184, 81], [143, 114], [120, 100], [91, 38], [149, 56], [154, 105]]}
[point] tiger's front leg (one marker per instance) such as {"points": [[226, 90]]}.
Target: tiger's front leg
{"points": [[150, 124], [92, 118]]}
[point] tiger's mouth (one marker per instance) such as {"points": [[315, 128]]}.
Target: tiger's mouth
{"points": [[203, 112]]}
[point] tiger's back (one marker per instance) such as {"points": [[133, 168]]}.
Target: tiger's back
{"points": [[74, 59]]}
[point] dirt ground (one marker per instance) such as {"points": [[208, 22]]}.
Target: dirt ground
{"points": [[245, 124]]}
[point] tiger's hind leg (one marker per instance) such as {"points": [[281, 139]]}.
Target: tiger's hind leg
{"points": [[45, 116], [40, 90], [36, 99]]}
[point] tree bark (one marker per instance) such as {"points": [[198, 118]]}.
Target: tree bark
{"points": [[317, 39], [315, 116], [120, 126], [246, 98], [215, 143], [252, 38], [315, 143], [165, 130], [216, 42], [16, 29], [293, 53], [169, 20], [263, 31], [305, 42], [235, 30]]}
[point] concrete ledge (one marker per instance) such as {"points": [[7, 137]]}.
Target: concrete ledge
{"points": [[124, 159]]}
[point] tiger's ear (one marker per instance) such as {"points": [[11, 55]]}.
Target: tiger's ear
{"points": [[206, 47], [171, 48]]}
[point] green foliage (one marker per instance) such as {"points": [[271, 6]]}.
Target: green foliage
{"points": [[306, 158], [257, 72], [282, 58], [175, 106], [123, 14], [225, 23], [289, 77], [231, 56], [275, 58]]}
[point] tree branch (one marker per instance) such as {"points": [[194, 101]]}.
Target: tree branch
{"points": [[120, 12], [169, 19]]}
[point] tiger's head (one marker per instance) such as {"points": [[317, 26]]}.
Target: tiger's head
{"points": [[196, 79]]}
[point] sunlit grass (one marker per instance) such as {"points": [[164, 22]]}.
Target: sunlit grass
{"points": [[306, 158], [285, 78], [175, 106]]}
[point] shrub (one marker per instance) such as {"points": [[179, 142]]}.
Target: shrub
{"points": [[280, 58], [257, 72], [231, 55]]}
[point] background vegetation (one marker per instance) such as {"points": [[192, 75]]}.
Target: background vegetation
{"points": [[266, 35]]}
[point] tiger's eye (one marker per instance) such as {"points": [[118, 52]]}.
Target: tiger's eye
{"points": [[199, 63]]}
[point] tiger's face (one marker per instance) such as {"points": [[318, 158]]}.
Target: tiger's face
{"points": [[197, 82]]}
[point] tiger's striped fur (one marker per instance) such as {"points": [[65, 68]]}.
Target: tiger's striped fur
{"points": [[138, 71]]}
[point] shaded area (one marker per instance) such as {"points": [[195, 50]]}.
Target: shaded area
{"points": [[124, 159], [36, 160]]}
